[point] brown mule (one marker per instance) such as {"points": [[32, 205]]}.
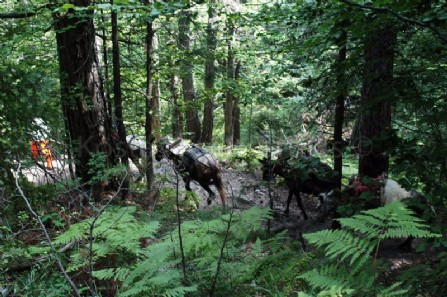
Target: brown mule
{"points": [[193, 163]]}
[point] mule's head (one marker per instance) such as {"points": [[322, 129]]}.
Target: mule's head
{"points": [[162, 149], [269, 168]]}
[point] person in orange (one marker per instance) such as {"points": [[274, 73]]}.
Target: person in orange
{"points": [[41, 147], [46, 152], [34, 149]]}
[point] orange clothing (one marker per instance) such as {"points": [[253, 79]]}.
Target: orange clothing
{"points": [[42, 148], [34, 149]]}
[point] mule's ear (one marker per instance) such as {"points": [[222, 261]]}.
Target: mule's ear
{"points": [[174, 143]]}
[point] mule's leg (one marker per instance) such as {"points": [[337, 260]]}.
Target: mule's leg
{"points": [[300, 203], [406, 246], [210, 192], [187, 183], [289, 199], [219, 186]]}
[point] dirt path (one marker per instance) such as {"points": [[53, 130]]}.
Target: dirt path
{"points": [[245, 190]]}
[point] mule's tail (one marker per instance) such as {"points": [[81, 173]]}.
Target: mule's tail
{"points": [[219, 186]]}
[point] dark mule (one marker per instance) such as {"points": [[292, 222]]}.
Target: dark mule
{"points": [[303, 174], [194, 163]]}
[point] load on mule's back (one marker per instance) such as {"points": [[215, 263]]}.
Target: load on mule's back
{"points": [[193, 163]]}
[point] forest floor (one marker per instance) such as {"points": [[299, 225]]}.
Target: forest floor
{"points": [[244, 190]]}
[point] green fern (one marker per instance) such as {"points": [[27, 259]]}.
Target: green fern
{"points": [[159, 273], [343, 245], [356, 270], [330, 277], [179, 291], [155, 275], [393, 220], [117, 274], [117, 231]]}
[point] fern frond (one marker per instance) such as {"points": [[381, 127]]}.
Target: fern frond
{"points": [[111, 273], [179, 291], [343, 244], [76, 232], [353, 247], [327, 278], [393, 220], [392, 290]]}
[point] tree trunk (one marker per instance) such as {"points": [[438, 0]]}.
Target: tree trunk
{"points": [[189, 94], [177, 120], [82, 94], [155, 99], [375, 116], [105, 67], [229, 98], [237, 109], [210, 74], [338, 122], [339, 111], [123, 147], [148, 126]]}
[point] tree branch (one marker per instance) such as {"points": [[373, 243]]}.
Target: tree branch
{"points": [[24, 15], [401, 17], [17, 15], [47, 236], [91, 237]]}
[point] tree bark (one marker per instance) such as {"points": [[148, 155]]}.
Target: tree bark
{"points": [[375, 115], [82, 94], [210, 74], [189, 94]]}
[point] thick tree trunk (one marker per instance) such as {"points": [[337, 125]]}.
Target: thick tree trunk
{"points": [[123, 147], [210, 74], [375, 117], [82, 94], [148, 126], [229, 97], [189, 94], [237, 109]]}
